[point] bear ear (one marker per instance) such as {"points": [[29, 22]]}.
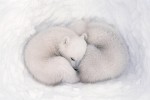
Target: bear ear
{"points": [[84, 36], [66, 40]]}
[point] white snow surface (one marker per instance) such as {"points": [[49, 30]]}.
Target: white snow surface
{"points": [[19, 19]]}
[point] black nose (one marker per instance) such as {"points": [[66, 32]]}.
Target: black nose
{"points": [[76, 69]]}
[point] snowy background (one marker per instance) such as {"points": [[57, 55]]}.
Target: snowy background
{"points": [[19, 19]]}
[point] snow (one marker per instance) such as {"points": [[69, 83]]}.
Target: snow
{"points": [[19, 19]]}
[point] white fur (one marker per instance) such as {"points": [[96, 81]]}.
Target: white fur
{"points": [[106, 55], [79, 26], [43, 55]]}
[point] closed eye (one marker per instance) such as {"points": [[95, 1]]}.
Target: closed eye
{"points": [[72, 59]]}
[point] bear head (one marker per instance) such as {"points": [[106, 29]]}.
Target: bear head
{"points": [[73, 49]]}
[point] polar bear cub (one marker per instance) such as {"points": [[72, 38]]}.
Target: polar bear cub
{"points": [[51, 56], [106, 56]]}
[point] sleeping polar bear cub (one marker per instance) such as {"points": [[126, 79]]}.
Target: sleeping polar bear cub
{"points": [[106, 56], [51, 55]]}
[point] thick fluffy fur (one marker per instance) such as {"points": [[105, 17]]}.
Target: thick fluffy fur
{"points": [[43, 55], [106, 55]]}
